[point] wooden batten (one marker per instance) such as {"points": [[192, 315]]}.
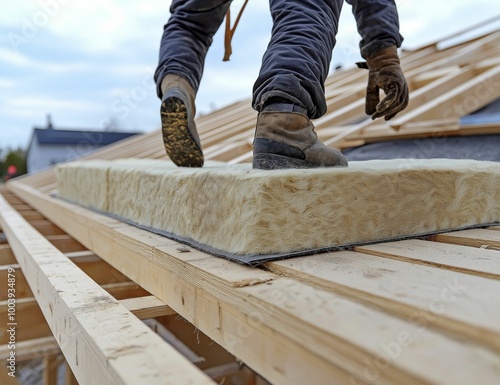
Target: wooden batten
{"points": [[477, 261], [485, 239], [6, 255], [32, 349]]}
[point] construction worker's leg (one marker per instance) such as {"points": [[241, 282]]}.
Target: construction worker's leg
{"points": [[298, 57], [184, 45], [187, 37], [290, 88]]}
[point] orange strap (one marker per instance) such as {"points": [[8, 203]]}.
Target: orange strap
{"points": [[230, 31]]}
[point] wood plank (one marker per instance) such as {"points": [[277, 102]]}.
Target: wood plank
{"points": [[176, 330], [100, 271], [464, 30], [125, 290], [479, 129], [487, 239], [419, 97], [476, 49], [426, 129], [433, 90], [65, 243], [221, 371], [11, 197], [230, 131], [69, 377], [21, 207], [230, 151], [206, 128], [147, 307], [345, 134], [482, 262], [6, 255], [32, 216], [289, 332], [29, 320], [461, 54], [244, 136], [344, 115], [352, 93], [40, 178], [458, 101], [32, 324], [51, 365], [22, 288], [456, 303], [124, 148], [32, 349], [6, 379], [423, 79], [302, 302], [168, 336], [120, 291], [101, 340], [245, 158], [47, 228], [80, 254], [97, 269]]}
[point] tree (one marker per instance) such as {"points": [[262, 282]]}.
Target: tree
{"points": [[16, 158], [2, 165]]}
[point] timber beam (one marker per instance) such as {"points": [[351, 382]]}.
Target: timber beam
{"points": [[101, 340]]}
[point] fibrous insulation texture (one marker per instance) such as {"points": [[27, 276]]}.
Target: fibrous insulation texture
{"points": [[250, 212]]}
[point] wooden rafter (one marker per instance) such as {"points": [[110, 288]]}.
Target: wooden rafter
{"points": [[87, 322]]}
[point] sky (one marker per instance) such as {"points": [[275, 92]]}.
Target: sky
{"points": [[90, 63]]}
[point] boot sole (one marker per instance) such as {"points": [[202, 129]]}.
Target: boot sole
{"points": [[280, 162], [181, 147]]}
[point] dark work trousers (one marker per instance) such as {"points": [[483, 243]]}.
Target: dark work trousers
{"points": [[295, 65]]}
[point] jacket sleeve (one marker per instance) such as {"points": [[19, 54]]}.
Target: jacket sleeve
{"points": [[378, 24]]}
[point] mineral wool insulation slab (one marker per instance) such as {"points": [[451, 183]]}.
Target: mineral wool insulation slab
{"points": [[253, 216]]}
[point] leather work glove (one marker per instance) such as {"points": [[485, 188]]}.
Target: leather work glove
{"points": [[385, 73]]}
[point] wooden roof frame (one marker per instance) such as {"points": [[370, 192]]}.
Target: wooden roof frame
{"points": [[294, 322]]}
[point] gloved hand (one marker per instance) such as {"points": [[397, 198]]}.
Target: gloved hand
{"points": [[385, 73]]}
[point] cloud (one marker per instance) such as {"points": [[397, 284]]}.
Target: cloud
{"points": [[14, 13], [20, 60], [7, 83], [14, 58], [424, 21], [49, 103], [37, 107], [93, 24]]}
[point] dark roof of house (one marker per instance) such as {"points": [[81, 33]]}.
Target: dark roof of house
{"points": [[95, 138], [478, 147], [488, 114]]}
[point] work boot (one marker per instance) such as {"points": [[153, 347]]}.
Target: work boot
{"points": [[285, 138], [180, 137]]}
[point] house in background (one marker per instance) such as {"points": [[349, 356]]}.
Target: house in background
{"points": [[49, 146]]}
